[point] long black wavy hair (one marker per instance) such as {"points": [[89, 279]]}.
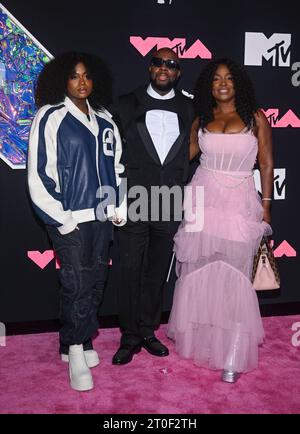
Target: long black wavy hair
{"points": [[51, 85], [245, 101]]}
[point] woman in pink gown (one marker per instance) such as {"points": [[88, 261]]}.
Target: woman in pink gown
{"points": [[215, 318]]}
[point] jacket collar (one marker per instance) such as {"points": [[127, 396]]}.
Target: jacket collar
{"points": [[152, 92], [92, 125], [179, 107]]}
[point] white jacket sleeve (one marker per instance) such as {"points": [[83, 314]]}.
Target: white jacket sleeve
{"points": [[121, 210], [42, 173]]}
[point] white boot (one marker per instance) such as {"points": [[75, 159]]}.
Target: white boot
{"points": [[80, 376], [91, 357]]}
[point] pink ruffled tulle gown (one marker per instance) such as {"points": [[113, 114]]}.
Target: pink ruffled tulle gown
{"points": [[215, 318]]}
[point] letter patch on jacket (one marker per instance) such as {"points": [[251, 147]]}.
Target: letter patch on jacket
{"points": [[108, 140]]}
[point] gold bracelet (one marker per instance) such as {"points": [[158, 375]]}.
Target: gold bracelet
{"points": [[266, 198]]}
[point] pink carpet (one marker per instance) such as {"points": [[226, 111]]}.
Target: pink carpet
{"points": [[34, 380]]}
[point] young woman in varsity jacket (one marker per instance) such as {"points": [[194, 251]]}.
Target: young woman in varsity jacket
{"points": [[73, 160]]}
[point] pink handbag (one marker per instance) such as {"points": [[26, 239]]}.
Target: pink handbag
{"points": [[265, 274]]}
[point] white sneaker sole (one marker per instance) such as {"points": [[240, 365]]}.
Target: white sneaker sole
{"points": [[82, 384], [91, 358]]}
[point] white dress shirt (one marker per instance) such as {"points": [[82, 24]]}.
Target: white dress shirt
{"points": [[162, 125]]}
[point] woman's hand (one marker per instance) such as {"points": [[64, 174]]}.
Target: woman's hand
{"points": [[265, 160], [267, 215]]}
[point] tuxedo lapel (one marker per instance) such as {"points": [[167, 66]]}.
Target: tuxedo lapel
{"points": [[184, 126], [183, 119], [146, 138], [175, 148]]}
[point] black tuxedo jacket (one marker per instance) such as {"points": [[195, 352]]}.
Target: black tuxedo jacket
{"points": [[142, 164]]}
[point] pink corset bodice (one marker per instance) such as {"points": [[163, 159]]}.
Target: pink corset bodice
{"points": [[234, 152]]}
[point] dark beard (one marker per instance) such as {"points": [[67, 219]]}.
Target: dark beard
{"points": [[163, 88]]}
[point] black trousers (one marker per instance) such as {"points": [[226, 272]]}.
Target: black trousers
{"points": [[145, 253], [83, 256]]}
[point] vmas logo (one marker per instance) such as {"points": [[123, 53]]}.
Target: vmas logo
{"points": [[288, 119], [145, 45], [276, 49]]}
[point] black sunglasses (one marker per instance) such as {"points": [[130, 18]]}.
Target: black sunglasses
{"points": [[170, 64]]}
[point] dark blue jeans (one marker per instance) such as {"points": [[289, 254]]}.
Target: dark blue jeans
{"points": [[83, 256]]}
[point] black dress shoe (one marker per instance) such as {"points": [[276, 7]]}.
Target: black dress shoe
{"points": [[154, 346], [125, 354]]}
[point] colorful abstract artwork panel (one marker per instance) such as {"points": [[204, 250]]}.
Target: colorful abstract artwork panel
{"points": [[21, 60]]}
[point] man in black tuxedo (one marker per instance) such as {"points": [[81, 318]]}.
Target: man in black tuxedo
{"points": [[155, 122]]}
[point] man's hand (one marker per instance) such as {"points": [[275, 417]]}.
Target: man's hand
{"points": [[117, 220]]}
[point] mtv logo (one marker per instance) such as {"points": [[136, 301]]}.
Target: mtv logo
{"points": [[279, 183], [258, 46]]}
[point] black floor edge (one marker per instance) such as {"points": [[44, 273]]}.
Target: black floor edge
{"points": [[20, 328]]}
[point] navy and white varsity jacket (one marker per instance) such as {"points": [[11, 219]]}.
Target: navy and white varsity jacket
{"points": [[70, 156]]}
